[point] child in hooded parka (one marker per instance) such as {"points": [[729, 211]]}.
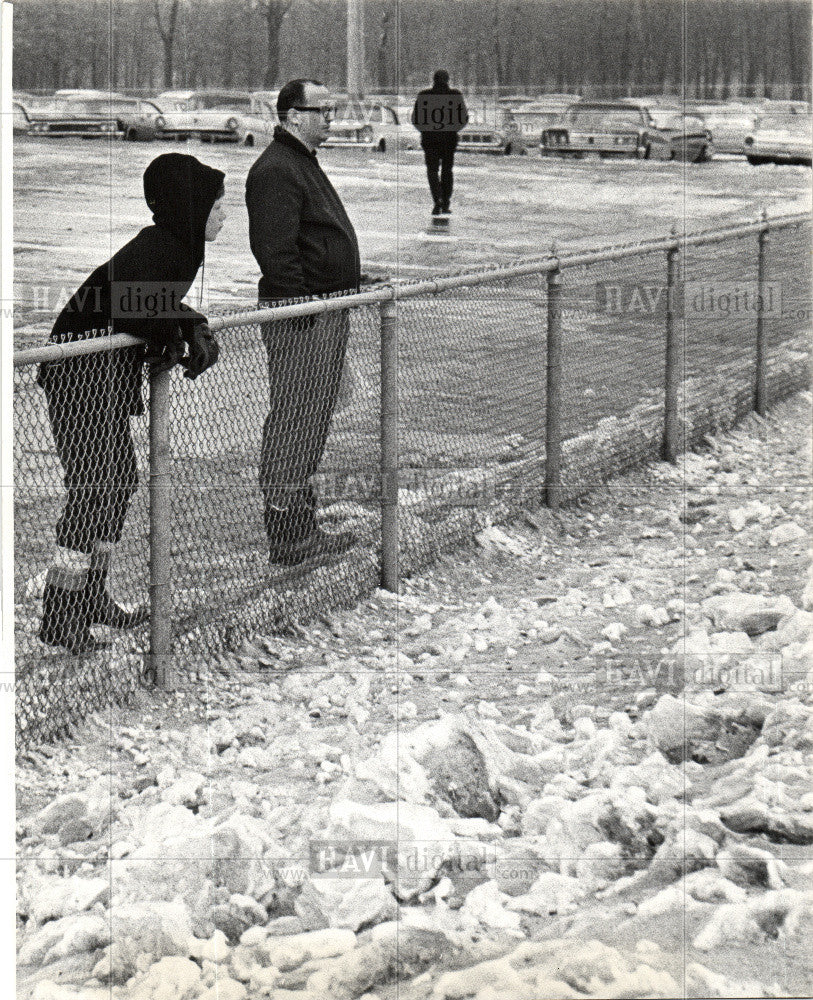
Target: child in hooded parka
{"points": [[92, 397]]}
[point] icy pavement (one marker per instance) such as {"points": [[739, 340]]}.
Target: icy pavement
{"points": [[573, 761]]}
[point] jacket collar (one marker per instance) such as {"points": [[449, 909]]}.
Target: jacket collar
{"points": [[284, 136]]}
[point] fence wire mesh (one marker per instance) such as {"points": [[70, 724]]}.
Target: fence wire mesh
{"points": [[275, 488], [471, 383], [613, 334], [78, 463], [276, 452]]}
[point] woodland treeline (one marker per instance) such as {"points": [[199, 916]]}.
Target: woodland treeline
{"points": [[712, 48]]}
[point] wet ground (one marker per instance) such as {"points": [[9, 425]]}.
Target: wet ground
{"points": [[77, 201]]}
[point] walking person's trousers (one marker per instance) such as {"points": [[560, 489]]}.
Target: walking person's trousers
{"points": [[440, 158]]}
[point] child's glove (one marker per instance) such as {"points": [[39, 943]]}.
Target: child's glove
{"points": [[166, 357], [203, 351]]}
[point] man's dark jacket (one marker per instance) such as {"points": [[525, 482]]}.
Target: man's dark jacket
{"points": [[439, 114], [181, 192], [298, 229]]}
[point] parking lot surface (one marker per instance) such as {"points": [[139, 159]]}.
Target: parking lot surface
{"points": [[76, 201]]}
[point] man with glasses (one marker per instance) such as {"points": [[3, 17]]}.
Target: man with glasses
{"points": [[305, 245]]}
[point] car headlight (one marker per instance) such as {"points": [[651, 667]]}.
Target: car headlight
{"points": [[231, 124], [160, 121], [749, 140]]}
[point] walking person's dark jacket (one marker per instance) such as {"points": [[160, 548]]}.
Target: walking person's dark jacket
{"points": [[439, 113], [167, 254], [299, 231]]}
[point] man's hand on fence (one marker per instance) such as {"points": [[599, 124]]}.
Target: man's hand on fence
{"points": [[372, 278], [168, 357], [203, 351]]}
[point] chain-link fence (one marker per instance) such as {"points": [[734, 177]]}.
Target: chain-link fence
{"points": [[342, 443]]}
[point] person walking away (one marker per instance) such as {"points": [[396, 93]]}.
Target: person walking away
{"points": [[305, 245], [92, 397], [439, 114]]}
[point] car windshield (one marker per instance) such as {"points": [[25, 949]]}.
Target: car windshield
{"points": [[723, 119], [81, 108], [264, 106], [97, 106], [666, 119], [599, 119], [350, 112], [798, 124], [212, 102]]}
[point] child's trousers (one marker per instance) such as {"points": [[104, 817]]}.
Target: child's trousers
{"points": [[96, 451]]}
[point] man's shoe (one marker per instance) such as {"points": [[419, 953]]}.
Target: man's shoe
{"points": [[446, 209], [437, 210], [318, 545]]}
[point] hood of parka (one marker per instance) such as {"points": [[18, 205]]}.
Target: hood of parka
{"points": [[180, 191]]}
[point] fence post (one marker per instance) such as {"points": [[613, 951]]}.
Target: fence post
{"points": [[761, 386], [389, 445], [160, 530], [671, 436], [553, 415]]}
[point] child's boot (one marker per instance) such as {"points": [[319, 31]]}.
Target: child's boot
{"points": [[104, 610], [66, 615]]}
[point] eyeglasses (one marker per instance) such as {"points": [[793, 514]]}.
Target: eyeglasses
{"points": [[328, 111]]}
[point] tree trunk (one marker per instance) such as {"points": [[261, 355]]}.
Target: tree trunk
{"points": [[383, 52], [169, 69], [274, 12]]}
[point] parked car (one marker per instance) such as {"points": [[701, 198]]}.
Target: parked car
{"points": [[729, 122], [97, 114], [371, 125], [628, 128], [207, 114], [264, 103], [601, 128], [139, 124], [678, 135], [781, 138], [523, 123], [481, 139], [21, 106], [257, 126], [20, 122]]}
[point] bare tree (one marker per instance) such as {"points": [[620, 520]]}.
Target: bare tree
{"points": [[383, 50], [273, 12], [167, 29], [593, 46]]}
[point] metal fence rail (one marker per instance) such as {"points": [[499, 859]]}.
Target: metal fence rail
{"points": [[462, 398]]}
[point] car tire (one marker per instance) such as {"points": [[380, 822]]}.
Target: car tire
{"points": [[130, 135], [755, 161], [382, 145], [249, 140], [509, 148], [647, 152]]}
